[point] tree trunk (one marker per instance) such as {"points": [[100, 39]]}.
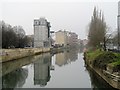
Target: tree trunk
{"points": [[104, 44]]}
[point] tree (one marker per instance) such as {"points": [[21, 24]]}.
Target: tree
{"points": [[20, 35], [13, 36], [97, 29]]}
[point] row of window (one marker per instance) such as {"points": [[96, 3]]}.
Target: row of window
{"points": [[37, 22]]}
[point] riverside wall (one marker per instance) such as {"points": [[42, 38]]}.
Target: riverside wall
{"points": [[13, 54], [112, 78]]}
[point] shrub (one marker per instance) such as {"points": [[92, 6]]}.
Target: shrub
{"points": [[103, 59], [116, 65]]}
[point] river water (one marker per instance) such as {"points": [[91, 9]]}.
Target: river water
{"points": [[62, 70]]}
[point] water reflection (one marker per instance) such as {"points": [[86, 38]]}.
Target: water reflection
{"points": [[37, 72], [8, 67], [66, 57], [15, 78], [42, 69], [97, 82]]}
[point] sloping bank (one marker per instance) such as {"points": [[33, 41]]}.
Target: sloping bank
{"points": [[106, 65], [13, 54]]}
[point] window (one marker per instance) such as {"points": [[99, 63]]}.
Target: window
{"points": [[36, 22]]}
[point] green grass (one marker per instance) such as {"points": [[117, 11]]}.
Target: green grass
{"points": [[117, 54], [91, 55], [115, 63], [103, 58]]}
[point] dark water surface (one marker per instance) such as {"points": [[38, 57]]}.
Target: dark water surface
{"points": [[62, 70]]}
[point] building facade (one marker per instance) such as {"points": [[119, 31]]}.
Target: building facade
{"points": [[65, 38], [41, 33], [118, 25], [119, 14], [61, 38], [73, 39], [85, 42], [119, 8]]}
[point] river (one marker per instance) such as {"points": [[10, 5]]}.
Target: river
{"points": [[62, 70]]}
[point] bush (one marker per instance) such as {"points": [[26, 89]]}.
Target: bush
{"points": [[103, 59], [116, 68], [116, 65]]}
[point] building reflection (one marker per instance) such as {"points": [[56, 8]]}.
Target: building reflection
{"points": [[66, 57], [73, 55], [62, 58], [15, 78], [42, 69]]}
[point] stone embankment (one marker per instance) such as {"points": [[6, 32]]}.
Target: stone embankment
{"points": [[13, 54], [112, 78]]}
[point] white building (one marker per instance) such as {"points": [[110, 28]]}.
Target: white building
{"points": [[119, 12], [119, 8], [41, 33], [118, 23]]}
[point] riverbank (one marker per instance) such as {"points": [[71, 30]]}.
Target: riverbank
{"points": [[11, 65], [106, 65], [13, 54]]}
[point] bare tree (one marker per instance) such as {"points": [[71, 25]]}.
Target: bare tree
{"points": [[97, 29], [13, 36]]}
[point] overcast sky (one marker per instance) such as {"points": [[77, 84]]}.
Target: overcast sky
{"points": [[72, 15]]}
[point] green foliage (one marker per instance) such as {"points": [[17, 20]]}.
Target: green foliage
{"points": [[104, 59], [101, 59], [116, 64]]}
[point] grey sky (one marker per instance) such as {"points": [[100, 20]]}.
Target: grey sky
{"points": [[70, 15]]}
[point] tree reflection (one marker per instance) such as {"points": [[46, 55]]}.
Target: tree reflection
{"points": [[15, 78], [8, 67], [42, 69]]}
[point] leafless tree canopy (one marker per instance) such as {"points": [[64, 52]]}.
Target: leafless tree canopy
{"points": [[97, 29], [13, 36]]}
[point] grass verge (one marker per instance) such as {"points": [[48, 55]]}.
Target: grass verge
{"points": [[102, 59]]}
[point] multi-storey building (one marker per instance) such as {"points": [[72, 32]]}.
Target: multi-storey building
{"points": [[118, 25], [119, 8], [61, 38], [119, 14], [41, 33], [85, 42], [73, 39], [65, 38]]}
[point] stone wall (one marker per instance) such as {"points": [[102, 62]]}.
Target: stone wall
{"points": [[12, 54], [110, 77]]}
